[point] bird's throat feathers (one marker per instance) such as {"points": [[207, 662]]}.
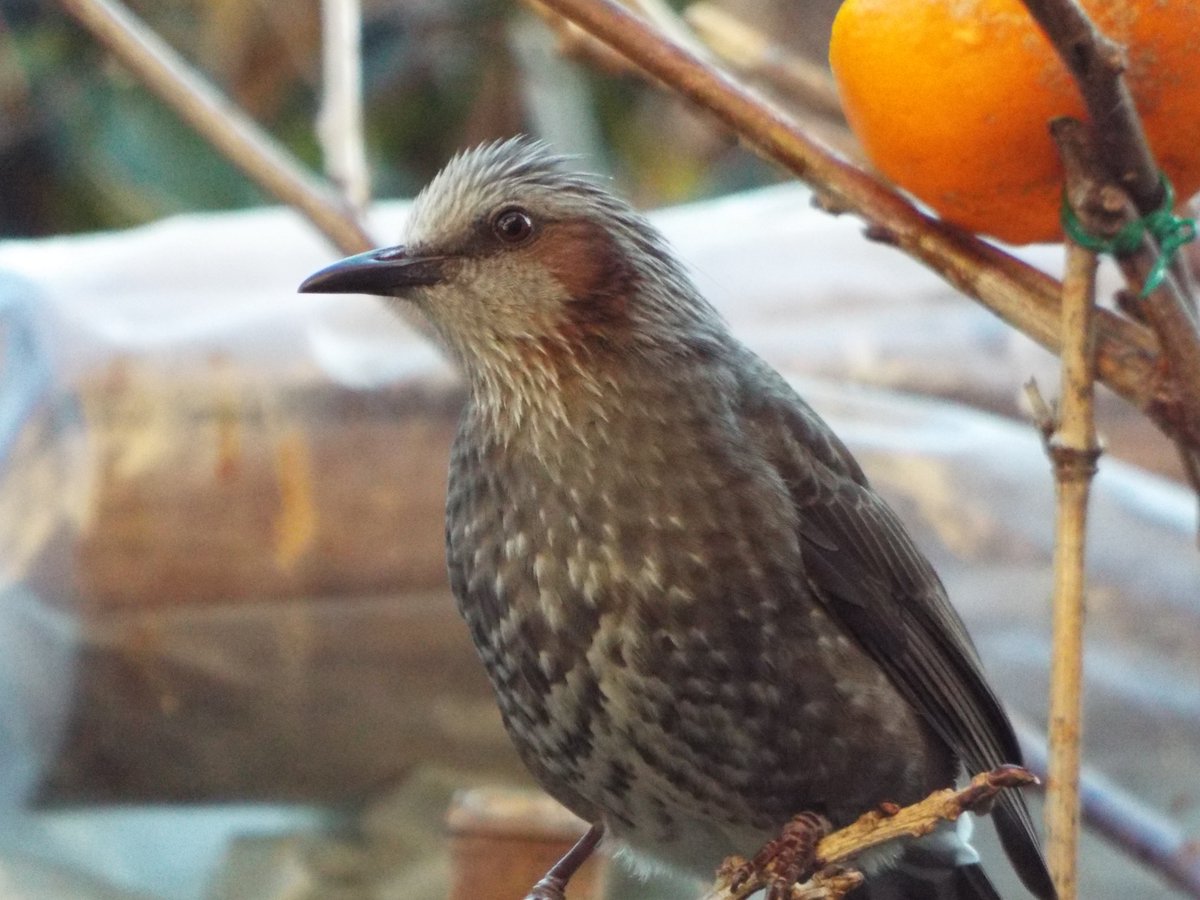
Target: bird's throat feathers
{"points": [[541, 388], [596, 323], [555, 396]]}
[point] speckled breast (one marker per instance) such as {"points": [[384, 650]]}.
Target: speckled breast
{"points": [[637, 595]]}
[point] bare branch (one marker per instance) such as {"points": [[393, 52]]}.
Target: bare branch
{"points": [[1124, 820], [662, 16], [749, 50], [218, 121], [1098, 65], [807, 88], [340, 121], [1073, 449]]}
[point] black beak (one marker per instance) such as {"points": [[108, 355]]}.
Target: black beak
{"points": [[386, 273]]}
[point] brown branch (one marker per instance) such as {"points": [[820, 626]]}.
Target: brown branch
{"points": [[1190, 458], [340, 119], [1098, 64], [1180, 340], [1127, 358], [805, 87], [662, 16], [1073, 449], [218, 121], [575, 42], [1161, 845], [832, 880], [750, 51]]}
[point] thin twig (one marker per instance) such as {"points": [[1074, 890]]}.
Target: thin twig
{"points": [[1180, 340], [1074, 450], [1098, 65], [1159, 844], [340, 120], [750, 51], [1024, 297], [1190, 458], [662, 16], [875, 828], [806, 88], [576, 44], [218, 121]]}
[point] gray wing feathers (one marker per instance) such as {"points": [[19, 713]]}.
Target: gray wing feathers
{"points": [[870, 575]]}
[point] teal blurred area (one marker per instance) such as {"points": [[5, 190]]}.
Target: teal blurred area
{"points": [[84, 147]]}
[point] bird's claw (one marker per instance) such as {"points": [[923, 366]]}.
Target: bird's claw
{"points": [[785, 860], [549, 888], [553, 885]]}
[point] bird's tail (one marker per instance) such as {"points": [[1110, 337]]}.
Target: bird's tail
{"points": [[967, 882]]}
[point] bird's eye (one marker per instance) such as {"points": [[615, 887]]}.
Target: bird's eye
{"points": [[512, 225]]}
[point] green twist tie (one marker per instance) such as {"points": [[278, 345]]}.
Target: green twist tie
{"points": [[1169, 231]]}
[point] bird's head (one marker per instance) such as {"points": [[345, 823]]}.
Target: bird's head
{"points": [[513, 257]]}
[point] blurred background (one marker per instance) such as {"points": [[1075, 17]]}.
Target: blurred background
{"points": [[83, 147], [230, 668]]}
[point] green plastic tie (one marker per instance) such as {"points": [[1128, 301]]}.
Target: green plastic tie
{"points": [[1169, 231]]}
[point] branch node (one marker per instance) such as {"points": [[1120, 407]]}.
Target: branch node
{"points": [[881, 234], [1072, 463], [1043, 413]]}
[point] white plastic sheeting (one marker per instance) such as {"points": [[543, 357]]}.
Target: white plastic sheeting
{"points": [[158, 360]]}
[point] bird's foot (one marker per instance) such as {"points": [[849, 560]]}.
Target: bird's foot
{"points": [[787, 859], [553, 885], [549, 888]]}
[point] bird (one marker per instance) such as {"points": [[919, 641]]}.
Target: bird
{"points": [[698, 617]]}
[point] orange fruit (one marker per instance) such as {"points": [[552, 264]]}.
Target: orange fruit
{"points": [[951, 100]]}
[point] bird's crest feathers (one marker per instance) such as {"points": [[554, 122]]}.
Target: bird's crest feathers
{"points": [[477, 180]]}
